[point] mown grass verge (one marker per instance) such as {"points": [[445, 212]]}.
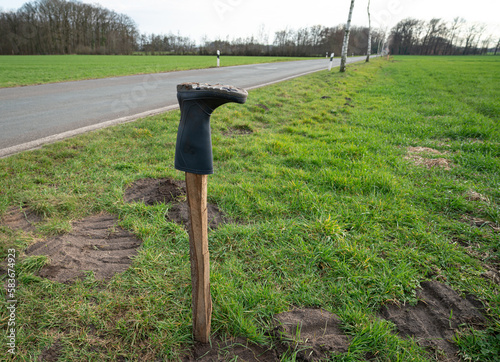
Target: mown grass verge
{"points": [[332, 211], [30, 70]]}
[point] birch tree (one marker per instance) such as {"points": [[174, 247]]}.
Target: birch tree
{"points": [[369, 49], [345, 44]]}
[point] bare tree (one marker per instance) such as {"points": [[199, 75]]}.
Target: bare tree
{"points": [[480, 32], [369, 48], [470, 36], [485, 44], [454, 30], [434, 35], [405, 36], [345, 44]]}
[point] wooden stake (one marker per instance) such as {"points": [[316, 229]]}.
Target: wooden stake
{"points": [[196, 186]]}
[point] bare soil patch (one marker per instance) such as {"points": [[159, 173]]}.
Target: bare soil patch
{"points": [[492, 273], [416, 156], [472, 195], [262, 106], [95, 244], [315, 333], [238, 130], [436, 317], [429, 162], [233, 349], [424, 150], [348, 102], [179, 213], [21, 219], [153, 191], [52, 353], [479, 222]]}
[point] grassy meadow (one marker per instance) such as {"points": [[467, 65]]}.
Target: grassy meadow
{"points": [[33, 69], [333, 209]]}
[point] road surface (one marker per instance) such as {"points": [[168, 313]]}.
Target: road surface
{"points": [[35, 115]]}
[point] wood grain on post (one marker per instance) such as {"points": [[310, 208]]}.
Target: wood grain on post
{"points": [[196, 186]]}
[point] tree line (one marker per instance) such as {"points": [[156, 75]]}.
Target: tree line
{"points": [[438, 37], [71, 27], [66, 27], [309, 41]]}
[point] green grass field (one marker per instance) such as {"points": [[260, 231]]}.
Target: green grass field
{"points": [[29, 70], [333, 210]]}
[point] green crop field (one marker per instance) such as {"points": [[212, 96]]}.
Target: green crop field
{"points": [[29, 70], [342, 191]]}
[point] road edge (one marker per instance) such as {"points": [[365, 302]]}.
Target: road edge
{"points": [[33, 145]]}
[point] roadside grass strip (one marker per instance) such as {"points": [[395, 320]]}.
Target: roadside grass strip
{"points": [[348, 197]]}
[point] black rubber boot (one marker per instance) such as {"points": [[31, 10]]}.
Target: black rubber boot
{"points": [[193, 151]]}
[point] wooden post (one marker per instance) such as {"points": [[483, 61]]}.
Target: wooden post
{"points": [[196, 186]]}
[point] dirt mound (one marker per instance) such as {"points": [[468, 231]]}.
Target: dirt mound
{"points": [[21, 219], [238, 130], [51, 353], [262, 106], [479, 222], [230, 350], [415, 155], [179, 213], [95, 244], [472, 195], [315, 333], [154, 191], [435, 318], [424, 150]]}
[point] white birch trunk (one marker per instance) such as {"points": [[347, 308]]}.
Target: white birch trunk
{"points": [[369, 50], [343, 59]]}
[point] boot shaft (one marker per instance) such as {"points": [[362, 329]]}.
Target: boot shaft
{"points": [[197, 101]]}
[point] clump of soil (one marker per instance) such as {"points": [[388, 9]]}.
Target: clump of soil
{"points": [[492, 273], [415, 156], [262, 106], [154, 191], [435, 318], [21, 219], [315, 333], [478, 222], [424, 150], [348, 102], [179, 213], [95, 244], [472, 195], [230, 350], [320, 336], [238, 130], [51, 353]]}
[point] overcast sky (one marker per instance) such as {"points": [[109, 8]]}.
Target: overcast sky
{"points": [[242, 18]]}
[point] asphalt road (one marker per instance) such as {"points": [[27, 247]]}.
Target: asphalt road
{"points": [[35, 115]]}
